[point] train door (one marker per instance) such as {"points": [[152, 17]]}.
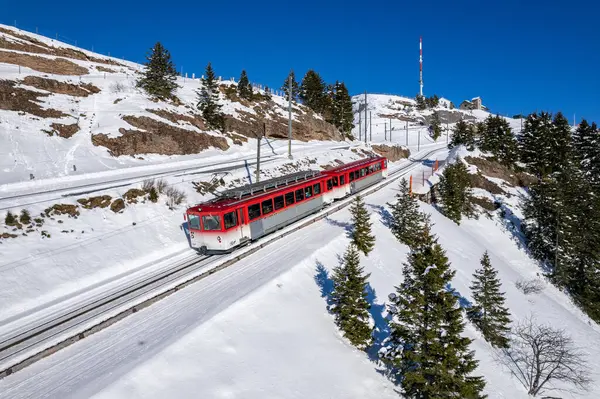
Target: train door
{"points": [[242, 223]]}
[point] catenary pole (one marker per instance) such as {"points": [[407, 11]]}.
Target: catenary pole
{"points": [[290, 116]]}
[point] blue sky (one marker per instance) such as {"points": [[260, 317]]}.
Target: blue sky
{"points": [[519, 56]]}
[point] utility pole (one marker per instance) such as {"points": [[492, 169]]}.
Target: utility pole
{"points": [[290, 116], [258, 157], [385, 131], [419, 142], [359, 124], [366, 117], [390, 130], [370, 127], [407, 134]]}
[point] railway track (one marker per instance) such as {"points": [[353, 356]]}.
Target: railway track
{"points": [[28, 344]]}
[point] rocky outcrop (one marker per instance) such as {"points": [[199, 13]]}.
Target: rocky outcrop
{"points": [[19, 99], [393, 153], [54, 86], [65, 131], [155, 137], [493, 168], [58, 66]]}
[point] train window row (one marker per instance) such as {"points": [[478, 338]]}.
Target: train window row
{"points": [[281, 201]]}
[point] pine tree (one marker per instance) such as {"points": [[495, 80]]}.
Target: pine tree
{"points": [[10, 219], [361, 235], [244, 88], [25, 217], [208, 101], [160, 75], [426, 348], [349, 300], [455, 191], [421, 104], [295, 88], [312, 91], [586, 151], [497, 138], [463, 135], [268, 96], [436, 126], [406, 217], [343, 114], [488, 312]]}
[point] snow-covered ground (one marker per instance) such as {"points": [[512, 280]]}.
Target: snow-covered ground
{"points": [[260, 328]]}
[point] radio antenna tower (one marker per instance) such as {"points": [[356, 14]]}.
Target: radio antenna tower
{"points": [[421, 66]]}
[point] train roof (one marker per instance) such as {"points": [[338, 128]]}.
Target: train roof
{"points": [[250, 192], [352, 165]]}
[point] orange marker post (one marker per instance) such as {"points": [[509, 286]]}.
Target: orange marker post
{"points": [[410, 185]]}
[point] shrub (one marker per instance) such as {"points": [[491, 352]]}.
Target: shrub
{"points": [[117, 87], [25, 217], [174, 197], [532, 286], [10, 219], [147, 185], [161, 185], [153, 195]]}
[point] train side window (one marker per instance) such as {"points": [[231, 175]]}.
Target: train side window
{"points": [[351, 177], [329, 184], [267, 207], [289, 198], [254, 211], [299, 195], [194, 222], [279, 202], [363, 172], [230, 220], [342, 180], [335, 181], [317, 189], [308, 191], [211, 222]]}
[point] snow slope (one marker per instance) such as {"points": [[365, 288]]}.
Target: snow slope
{"points": [[260, 328]]}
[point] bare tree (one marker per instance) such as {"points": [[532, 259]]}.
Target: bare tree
{"points": [[542, 357]]}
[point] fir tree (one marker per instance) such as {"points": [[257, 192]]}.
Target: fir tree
{"points": [[361, 235], [159, 77], [436, 126], [426, 348], [25, 217], [268, 96], [208, 101], [406, 217], [343, 114], [244, 88], [463, 135], [455, 191], [488, 312], [295, 88], [497, 138], [349, 300], [586, 151], [421, 104], [10, 219], [312, 91]]}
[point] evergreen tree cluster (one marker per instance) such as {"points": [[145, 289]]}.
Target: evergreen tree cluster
{"points": [[463, 134], [497, 137], [455, 192], [160, 75], [562, 211], [427, 102], [349, 300], [244, 88]]}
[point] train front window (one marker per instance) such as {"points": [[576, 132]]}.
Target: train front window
{"points": [[194, 222], [211, 223], [254, 211], [230, 220]]}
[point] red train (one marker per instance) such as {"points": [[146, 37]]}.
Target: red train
{"points": [[241, 215]]}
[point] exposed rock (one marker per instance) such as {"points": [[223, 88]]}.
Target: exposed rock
{"points": [[157, 138], [479, 181], [18, 99], [65, 131], [62, 209], [8, 235], [485, 203], [58, 66], [392, 153], [195, 120], [118, 205], [54, 86], [102, 69], [101, 201], [493, 168]]}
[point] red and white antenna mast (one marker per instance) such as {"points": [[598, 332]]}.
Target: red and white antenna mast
{"points": [[421, 65]]}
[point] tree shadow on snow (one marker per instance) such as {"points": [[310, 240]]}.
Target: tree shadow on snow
{"points": [[348, 227], [384, 214], [324, 282], [186, 230], [462, 301]]}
